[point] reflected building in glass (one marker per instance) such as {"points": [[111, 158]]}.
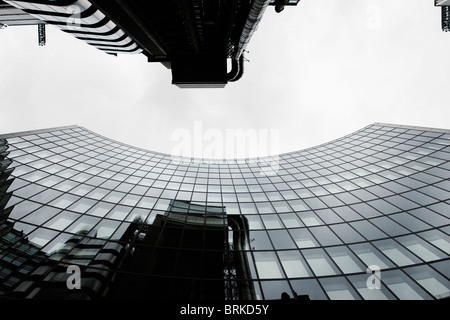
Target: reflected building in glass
{"points": [[366, 216]]}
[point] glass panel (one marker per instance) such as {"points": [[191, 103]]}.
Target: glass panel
{"points": [[368, 230], [64, 201], [82, 205], [346, 233], [338, 288], [371, 256], [421, 248], [293, 264], [290, 220], [62, 220], [254, 222], [106, 228], [309, 219], [431, 217], [303, 238], [345, 259], [267, 265], [403, 287], [101, 209], [260, 241], [281, 239], [347, 213], [369, 293], [429, 279], [308, 287], [319, 262], [410, 222], [325, 236], [273, 289], [396, 252], [438, 239], [328, 216], [389, 226], [272, 221]]}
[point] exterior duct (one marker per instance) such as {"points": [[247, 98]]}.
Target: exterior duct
{"points": [[253, 19], [237, 69]]}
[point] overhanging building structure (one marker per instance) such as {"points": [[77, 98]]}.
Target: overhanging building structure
{"points": [[196, 39], [366, 216]]}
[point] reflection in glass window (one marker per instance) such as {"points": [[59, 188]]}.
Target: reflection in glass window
{"points": [[101, 209], [259, 240], [64, 201], [293, 264], [325, 236], [319, 262], [264, 207], [273, 289], [106, 228], [402, 286], [271, 221], [267, 265], [421, 248], [310, 219], [430, 217], [41, 236], [328, 216], [438, 239], [347, 213], [62, 220], [346, 233], [360, 283], [338, 288], [308, 287], [429, 279], [291, 220], [370, 256], [281, 239], [396, 252], [303, 238], [345, 259], [82, 205]]}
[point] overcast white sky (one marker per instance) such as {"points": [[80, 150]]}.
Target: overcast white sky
{"points": [[316, 72]]}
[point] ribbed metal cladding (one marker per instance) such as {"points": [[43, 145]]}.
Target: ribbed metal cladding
{"points": [[253, 19], [445, 18], [84, 21]]}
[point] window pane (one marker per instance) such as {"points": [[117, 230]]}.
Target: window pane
{"points": [[434, 283], [438, 239], [308, 287], [293, 264], [371, 256], [303, 238], [396, 252], [267, 265], [319, 262], [402, 286], [346, 233], [325, 236], [421, 248], [345, 260], [281, 239], [360, 283], [338, 288]]}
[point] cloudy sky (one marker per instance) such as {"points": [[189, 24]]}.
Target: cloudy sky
{"points": [[315, 72]]}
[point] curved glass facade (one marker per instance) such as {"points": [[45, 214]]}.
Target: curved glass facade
{"points": [[366, 216]]}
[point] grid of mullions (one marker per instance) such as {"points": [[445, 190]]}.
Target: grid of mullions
{"points": [[378, 196]]}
